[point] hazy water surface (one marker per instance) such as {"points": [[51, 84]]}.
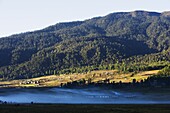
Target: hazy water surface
{"points": [[80, 96]]}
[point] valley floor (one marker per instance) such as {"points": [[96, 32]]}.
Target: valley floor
{"points": [[81, 108]]}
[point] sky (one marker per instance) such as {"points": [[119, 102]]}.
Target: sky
{"points": [[18, 16]]}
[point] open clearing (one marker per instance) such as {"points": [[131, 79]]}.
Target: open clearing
{"points": [[95, 76]]}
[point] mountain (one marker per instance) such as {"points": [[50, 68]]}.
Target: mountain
{"points": [[94, 42]]}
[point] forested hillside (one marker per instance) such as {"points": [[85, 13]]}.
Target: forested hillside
{"points": [[136, 38]]}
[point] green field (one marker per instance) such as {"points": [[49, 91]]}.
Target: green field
{"points": [[52, 108]]}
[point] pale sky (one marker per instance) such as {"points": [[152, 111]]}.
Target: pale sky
{"points": [[18, 16]]}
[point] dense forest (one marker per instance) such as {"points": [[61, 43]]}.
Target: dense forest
{"points": [[127, 41]]}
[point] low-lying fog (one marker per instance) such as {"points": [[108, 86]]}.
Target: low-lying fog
{"points": [[82, 96]]}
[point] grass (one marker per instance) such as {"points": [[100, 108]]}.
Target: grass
{"points": [[95, 76], [57, 108]]}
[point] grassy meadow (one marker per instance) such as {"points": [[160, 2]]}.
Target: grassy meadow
{"points": [[95, 76]]}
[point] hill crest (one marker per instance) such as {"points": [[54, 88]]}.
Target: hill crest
{"points": [[97, 41]]}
